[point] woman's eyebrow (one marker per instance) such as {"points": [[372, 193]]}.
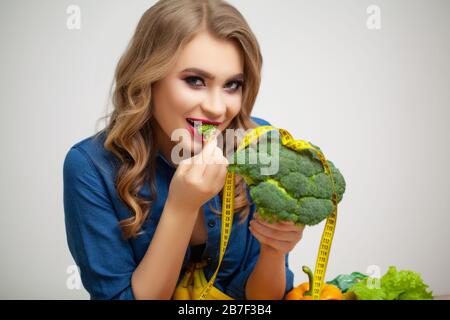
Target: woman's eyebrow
{"points": [[209, 76]]}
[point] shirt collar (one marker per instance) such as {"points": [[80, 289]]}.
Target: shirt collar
{"points": [[160, 155]]}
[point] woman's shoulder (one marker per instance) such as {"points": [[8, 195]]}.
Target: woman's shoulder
{"points": [[260, 121], [91, 154]]}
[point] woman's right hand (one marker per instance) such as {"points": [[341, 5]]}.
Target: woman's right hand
{"points": [[198, 179]]}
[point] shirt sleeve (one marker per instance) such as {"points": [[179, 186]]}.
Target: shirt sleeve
{"points": [[105, 260], [236, 287], [260, 121]]}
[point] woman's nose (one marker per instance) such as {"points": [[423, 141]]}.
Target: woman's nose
{"points": [[215, 106]]}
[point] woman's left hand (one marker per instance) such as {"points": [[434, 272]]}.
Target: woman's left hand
{"points": [[280, 237]]}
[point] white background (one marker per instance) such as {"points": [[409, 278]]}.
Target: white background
{"points": [[376, 102]]}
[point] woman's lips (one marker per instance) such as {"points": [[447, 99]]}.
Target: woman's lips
{"points": [[204, 121]]}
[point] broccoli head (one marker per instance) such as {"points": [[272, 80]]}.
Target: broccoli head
{"points": [[299, 190]]}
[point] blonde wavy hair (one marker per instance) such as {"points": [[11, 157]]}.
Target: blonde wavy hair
{"points": [[158, 39]]}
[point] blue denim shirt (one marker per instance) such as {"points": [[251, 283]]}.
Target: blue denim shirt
{"points": [[93, 210]]}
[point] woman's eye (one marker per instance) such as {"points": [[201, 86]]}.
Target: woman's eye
{"points": [[192, 80], [197, 82], [237, 84]]}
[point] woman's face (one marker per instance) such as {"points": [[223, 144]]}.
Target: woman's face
{"points": [[205, 84]]}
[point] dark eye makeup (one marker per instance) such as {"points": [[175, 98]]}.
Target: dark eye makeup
{"points": [[192, 81]]}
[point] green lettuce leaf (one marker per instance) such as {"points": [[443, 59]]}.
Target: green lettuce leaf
{"points": [[404, 285], [394, 285], [365, 292]]}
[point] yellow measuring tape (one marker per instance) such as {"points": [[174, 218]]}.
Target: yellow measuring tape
{"points": [[228, 208], [227, 222]]}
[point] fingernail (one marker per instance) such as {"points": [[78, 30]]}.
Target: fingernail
{"points": [[215, 134], [211, 138]]}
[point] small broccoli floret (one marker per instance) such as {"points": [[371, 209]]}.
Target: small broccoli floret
{"points": [[206, 130], [299, 191], [312, 211], [273, 202]]}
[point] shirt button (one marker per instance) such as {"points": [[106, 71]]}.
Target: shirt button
{"points": [[209, 259], [212, 223]]}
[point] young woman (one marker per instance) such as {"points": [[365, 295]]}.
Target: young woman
{"points": [[134, 218]]}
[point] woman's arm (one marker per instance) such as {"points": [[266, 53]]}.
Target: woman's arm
{"points": [[157, 274], [268, 279], [193, 183]]}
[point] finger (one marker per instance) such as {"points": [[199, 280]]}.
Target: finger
{"points": [[215, 134], [216, 172], [214, 164], [217, 156], [211, 173], [276, 244], [221, 177], [200, 161], [279, 225], [209, 149], [288, 236], [183, 166]]}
